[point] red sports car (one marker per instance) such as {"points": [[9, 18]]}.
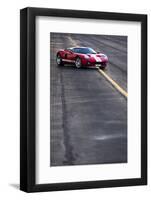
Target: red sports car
{"points": [[81, 56]]}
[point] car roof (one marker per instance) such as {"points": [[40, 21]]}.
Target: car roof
{"points": [[71, 48], [79, 47]]}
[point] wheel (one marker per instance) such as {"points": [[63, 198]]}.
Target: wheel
{"points": [[59, 60], [78, 62], [103, 67]]}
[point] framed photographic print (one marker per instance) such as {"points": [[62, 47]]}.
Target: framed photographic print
{"points": [[83, 99]]}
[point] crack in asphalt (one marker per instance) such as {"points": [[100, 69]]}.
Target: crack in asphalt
{"points": [[68, 147]]}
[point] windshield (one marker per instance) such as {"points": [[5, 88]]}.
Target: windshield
{"points": [[84, 50]]}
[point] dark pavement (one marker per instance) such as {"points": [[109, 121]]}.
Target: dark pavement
{"points": [[88, 115]]}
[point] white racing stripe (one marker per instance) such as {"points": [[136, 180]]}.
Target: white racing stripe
{"points": [[97, 59], [66, 60]]}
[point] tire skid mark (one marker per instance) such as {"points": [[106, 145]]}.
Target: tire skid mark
{"points": [[69, 158], [109, 45], [72, 41]]}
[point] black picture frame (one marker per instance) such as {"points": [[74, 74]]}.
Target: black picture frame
{"points": [[28, 98]]}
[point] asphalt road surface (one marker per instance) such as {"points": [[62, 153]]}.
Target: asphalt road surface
{"points": [[88, 115]]}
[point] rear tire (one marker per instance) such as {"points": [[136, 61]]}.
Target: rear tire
{"points": [[59, 60]]}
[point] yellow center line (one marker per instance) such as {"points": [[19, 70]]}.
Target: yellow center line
{"points": [[119, 88]]}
